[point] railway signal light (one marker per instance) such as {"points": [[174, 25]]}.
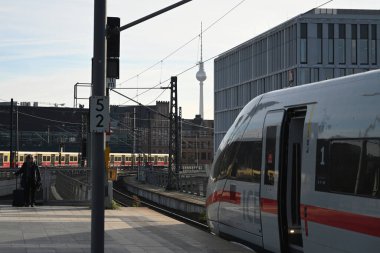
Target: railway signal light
{"points": [[113, 47], [113, 37]]}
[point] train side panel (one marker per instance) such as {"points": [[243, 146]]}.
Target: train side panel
{"points": [[341, 172]]}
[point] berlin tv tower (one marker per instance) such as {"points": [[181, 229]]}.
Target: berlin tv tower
{"points": [[201, 77]]}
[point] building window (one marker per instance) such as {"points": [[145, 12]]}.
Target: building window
{"points": [[304, 75], [329, 73], [315, 75], [319, 44], [341, 72], [303, 43], [331, 44], [363, 45], [354, 48], [342, 44], [373, 45]]}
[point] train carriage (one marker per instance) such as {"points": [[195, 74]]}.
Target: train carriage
{"points": [[71, 159], [299, 170]]}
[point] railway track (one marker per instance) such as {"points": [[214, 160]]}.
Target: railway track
{"points": [[124, 198]]}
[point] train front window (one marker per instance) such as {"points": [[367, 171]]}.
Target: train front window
{"points": [[248, 162], [226, 161]]}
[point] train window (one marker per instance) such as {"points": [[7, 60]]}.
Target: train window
{"points": [[226, 161], [48, 158], [44, 158], [369, 177], [248, 162], [270, 155], [355, 167], [5, 158], [21, 158], [71, 158], [345, 158], [75, 158]]}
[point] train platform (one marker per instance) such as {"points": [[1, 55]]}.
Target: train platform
{"points": [[56, 229], [141, 189]]}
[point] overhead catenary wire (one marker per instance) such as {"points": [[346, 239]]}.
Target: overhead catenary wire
{"points": [[163, 115], [175, 51], [48, 119], [155, 86], [184, 45], [157, 97]]}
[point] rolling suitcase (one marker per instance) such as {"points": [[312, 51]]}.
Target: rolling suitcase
{"points": [[39, 195], [18, 196]]}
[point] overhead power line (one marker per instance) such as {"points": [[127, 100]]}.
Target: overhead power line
{"points": [[180, 73], [47, 119], [184, 45]]}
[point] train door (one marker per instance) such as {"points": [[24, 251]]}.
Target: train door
{"points": [[290, 181], [1, 160], [39, 159], [123, 160], [112, 160], [269, 181], [52, 159], [67, 159]]}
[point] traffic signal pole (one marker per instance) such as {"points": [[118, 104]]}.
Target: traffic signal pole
{"points": [[98, 138], [98, 114]]}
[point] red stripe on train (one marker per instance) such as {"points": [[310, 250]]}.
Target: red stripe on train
{"points": [[224, 196], [354, 222], [269, 205], [339, 219]]}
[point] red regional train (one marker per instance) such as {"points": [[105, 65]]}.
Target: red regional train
{"points": [[47, 159], [299, 170]]}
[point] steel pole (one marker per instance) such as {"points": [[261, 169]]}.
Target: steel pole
{"points": [[11, 136], [98, 139]]}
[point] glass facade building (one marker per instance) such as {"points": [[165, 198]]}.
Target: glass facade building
{"points": [[318, 45]]}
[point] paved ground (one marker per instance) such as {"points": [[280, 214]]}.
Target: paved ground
{"points": [[57, 229]]}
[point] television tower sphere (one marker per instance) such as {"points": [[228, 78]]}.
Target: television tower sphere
{"points": [[201, 74]]}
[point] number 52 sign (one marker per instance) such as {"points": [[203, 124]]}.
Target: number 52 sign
{"points": [[99, 114]]}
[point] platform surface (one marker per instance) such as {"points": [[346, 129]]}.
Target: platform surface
{"points": [[58, 229]]}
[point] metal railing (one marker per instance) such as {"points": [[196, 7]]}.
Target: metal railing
{"points": [[194, 183], [59, 184]]}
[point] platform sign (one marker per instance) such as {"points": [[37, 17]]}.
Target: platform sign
{"points": [[99, 114]]}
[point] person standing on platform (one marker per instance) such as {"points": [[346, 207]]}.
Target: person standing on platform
{"points": [[30, 179]]}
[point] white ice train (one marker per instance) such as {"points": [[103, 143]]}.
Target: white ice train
{"points": [[299, 170]]}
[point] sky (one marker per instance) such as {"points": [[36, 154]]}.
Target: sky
{"points": [[46, 46]]}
